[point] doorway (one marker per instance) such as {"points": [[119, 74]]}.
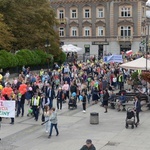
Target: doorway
{"points": [[100, 51], [125, 46]]}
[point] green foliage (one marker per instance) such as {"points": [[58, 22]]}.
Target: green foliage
{"points": [[42, 55], [32, 23], [135, 78], [61, 58], [28, 58], [6, 36], [7, 59]]}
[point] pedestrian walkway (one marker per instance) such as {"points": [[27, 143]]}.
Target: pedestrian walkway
{"points": [[75, 128]]}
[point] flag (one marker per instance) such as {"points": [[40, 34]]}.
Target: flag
{"points": [[129, 52]]}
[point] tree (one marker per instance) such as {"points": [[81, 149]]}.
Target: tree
{"points": [[6, 36], [32, 23]]}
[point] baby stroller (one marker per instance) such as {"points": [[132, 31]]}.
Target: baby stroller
{"points": [[30, 112], [130, 118], [72, 103]]}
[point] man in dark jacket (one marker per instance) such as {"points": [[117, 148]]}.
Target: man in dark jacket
{"points": [[51, 95], [20, 101], [88, 146]]}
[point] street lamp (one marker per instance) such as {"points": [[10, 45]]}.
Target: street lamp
{"points": [[47, 45]]}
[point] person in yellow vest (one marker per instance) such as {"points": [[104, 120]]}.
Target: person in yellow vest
{"points": [[35, 105], [41, 73], [121, 81]]}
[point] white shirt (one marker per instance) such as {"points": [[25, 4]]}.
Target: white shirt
{"points": [[35, 102]]}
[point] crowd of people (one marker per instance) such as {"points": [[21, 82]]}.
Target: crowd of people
{"points": [[85, 82]]}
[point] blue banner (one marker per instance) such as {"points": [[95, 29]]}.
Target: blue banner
{"points": [[113, 58]]}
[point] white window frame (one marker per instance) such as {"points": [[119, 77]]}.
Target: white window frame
{"points": [[73, 14], [125, 12], [86, 31], [100, 12], [86, 13], [61, 32], [125, 31], [74, 31], [61, 14], [100, 31]]}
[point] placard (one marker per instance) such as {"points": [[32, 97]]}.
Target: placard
{"points": [[7, 109]]}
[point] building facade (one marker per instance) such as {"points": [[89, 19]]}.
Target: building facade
{"points": [[101, 26]]}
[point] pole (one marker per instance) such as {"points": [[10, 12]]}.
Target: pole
{"points": [[147, 47], [0, 128]]}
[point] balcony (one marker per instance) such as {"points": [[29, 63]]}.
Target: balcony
{"points": [[125, 38], [62, 20]]}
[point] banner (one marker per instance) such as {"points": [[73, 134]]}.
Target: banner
{"points": [[7, 109], [113, 58], [117, 58], [107, 58]]}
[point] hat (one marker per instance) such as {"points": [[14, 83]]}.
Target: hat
{"points": [[88, 141]]}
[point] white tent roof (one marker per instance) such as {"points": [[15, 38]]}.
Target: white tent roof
{"points": [[137, 64], [71, 48]]}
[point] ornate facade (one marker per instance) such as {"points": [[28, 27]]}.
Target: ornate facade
{"points": [[101, 26]]}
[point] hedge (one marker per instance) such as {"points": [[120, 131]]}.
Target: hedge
{"points": [[27, 57]]}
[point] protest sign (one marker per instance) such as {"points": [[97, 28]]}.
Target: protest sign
{"points": [[7, 109], [113, 58]]}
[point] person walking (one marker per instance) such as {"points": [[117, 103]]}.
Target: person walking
{"points": [[105, 100], [51, 95], [53, 119], [137, 108], [88, 145], [21, 101], [59, 98], [84, 102], [47, 116], [35, 105]]}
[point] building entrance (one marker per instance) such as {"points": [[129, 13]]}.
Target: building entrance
{"points": [[100, 50], [126, 46]]}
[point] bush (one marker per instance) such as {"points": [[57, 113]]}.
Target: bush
{"points": [[7, 59], [135, 78], [42, 55], [24, 57], [60, 58]]}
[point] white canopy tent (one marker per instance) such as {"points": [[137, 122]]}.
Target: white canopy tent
{"points": [[70, 48], [137, 64]]}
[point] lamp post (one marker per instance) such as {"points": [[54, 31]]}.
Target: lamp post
{"points": [[47, 45]]}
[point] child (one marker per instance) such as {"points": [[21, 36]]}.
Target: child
{"points": [[46, 115]]}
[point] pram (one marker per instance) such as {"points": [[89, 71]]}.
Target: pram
{"points": [[72, 103], [130, 118], [30, 112]]}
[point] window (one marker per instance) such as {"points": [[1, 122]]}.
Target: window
{"points": [[61, 32], [74, 13], [100, 31], [86, 31], [125, 12], [61, 14], [87, 13], [125, 31], [143, 11], [74, 31], [100, 13]]}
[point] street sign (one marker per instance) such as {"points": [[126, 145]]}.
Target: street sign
{"points": [[100, 43]]}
